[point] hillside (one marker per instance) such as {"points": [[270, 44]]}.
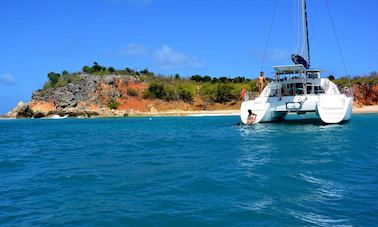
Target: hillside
{"points": [[101, 91]]}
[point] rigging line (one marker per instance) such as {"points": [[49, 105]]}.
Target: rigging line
{"points": [[337, 39], [269, 33], [314, 21], [299, 15], [338, 44], [295, 36]]}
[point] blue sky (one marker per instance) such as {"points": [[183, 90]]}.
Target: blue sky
{"points": [[189, 37]]}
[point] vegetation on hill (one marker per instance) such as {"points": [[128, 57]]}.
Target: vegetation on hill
{"points": [[370, 79], [177, 88]]}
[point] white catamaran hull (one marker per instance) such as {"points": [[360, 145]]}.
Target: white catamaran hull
{"points": [[329, 108]]}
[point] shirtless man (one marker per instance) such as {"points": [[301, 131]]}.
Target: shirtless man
{"points": [[260, 82]]}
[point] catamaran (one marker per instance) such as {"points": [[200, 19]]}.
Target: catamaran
{"points": [[298, 88]]}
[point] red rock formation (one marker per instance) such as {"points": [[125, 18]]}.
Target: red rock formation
{"points": [[42, 106], [365, 94]]}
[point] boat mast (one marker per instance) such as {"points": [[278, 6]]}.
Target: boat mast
{"points": [[305, 41]]}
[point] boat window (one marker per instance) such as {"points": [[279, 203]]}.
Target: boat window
{"points": [[312, 75], [289, 90], [299, 89], [308, 88], [318, 90]]}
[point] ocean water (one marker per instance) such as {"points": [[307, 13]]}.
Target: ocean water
{"points": [[186, 171]]}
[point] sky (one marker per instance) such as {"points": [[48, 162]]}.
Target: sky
{"points": [[207, 37]]}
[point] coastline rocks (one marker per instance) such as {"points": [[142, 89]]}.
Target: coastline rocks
{"points": [[88, 96], [22, 110]]}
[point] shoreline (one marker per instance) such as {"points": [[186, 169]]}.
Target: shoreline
{"points": [[204, 113], [235, 112], [366, 109]]}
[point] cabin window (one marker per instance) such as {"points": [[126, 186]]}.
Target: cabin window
{"points": [[318, 90], [299, 89], [312, 75], [289, 90], [308, 88]]}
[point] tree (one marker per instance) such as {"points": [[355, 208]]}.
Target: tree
{"points": [[53, 77], [331, 77], [214, 80], [206, 79], [145, 71], [65, 73], [223, 79], [196, 78], [177, 77], [96, 67], [111, 70], [87, 69], [129, 71]]}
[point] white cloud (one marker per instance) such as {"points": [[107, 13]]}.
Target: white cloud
{"points": [[164, 57], [7, 79], [167, 58], [135, 50]]}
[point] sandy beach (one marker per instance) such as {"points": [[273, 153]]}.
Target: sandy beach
{"points": [[198, 113], [235, 112], [365, 109]]}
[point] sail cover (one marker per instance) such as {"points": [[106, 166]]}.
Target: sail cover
{"points": [[297, 59]]}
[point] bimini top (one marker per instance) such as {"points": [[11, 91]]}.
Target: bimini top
{"points": [[293, 69]]}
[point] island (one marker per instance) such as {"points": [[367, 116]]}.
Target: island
{"points": [[98, 91]]}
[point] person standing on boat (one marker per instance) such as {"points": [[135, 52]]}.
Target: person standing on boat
{"points": [[260, 82]]}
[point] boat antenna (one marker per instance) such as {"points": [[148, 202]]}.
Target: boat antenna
{"points": [[269, 34], [306, 40]]}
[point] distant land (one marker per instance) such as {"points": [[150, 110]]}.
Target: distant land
{"points": [[98, 91]]}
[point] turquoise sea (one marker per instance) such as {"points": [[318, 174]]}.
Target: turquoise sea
{"points": [[188, 171]]}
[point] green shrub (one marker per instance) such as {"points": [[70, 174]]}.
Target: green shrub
{"points": [[156, 90], [53, 77], [47, 85], [169, 93], [132, 92], [160, 90], [221, 92], [186, 92], [87, 69], [61, 82], [73, 78], [224, 93], [114, 105], [207, 92]]}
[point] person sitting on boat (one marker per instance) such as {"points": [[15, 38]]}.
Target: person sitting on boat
{"points": [[260, 82], [251, 117]]}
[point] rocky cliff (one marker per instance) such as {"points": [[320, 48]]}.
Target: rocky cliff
{"points": [[90, 96]]}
